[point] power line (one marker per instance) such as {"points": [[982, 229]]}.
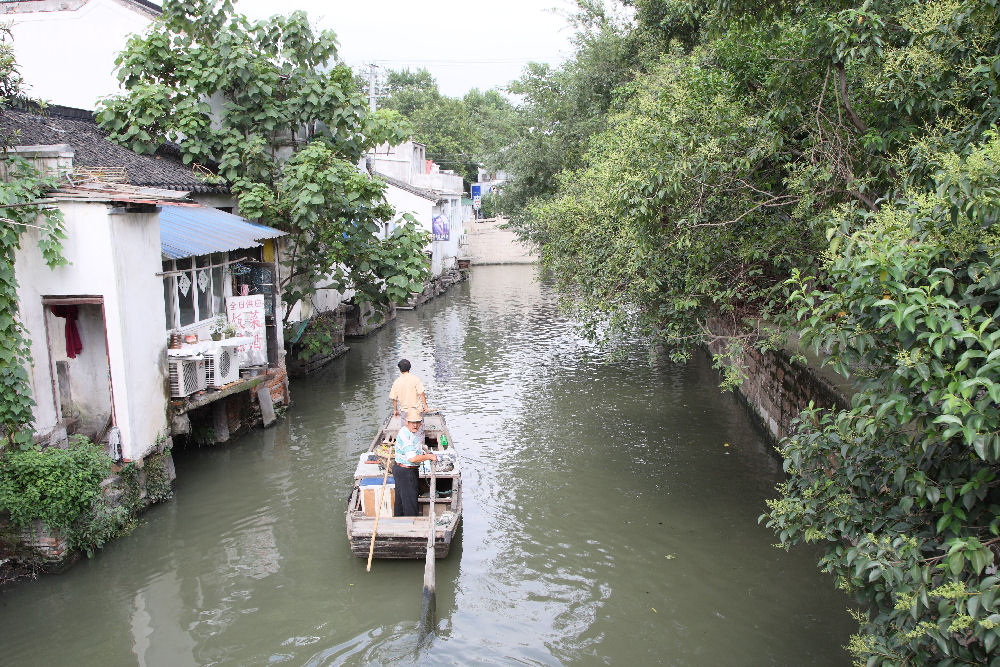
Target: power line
{"points": [[450, 61]]}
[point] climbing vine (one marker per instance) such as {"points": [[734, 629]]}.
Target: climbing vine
{"points": [[22, 215]]}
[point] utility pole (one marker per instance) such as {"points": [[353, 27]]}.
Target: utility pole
{"points": [[372, 74]]}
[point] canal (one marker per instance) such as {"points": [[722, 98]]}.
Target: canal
{"points": [[610, 518]]}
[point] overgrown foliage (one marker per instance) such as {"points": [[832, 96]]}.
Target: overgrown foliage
{"points": [[902, 490], [21, 215], [267, 107], [318, 337], [831, 167], [62, 489]]}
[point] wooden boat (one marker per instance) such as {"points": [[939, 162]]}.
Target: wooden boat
{"points": [[406, 537]]}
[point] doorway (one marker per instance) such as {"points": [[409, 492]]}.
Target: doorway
{"points": [[78, 349]]}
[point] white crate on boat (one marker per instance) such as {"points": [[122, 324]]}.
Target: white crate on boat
{"points": [[371, 487], [366, 469]]}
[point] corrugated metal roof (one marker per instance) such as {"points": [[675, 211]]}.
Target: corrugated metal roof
{"points": [[186, 231]]}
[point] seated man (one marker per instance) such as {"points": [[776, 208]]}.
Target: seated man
{"points": [[406, 467]]}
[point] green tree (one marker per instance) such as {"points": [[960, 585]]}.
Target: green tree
{"points": [[832, 167], [460, 133], [271, 110], [658, 234], [561, 108], [902, 491]]}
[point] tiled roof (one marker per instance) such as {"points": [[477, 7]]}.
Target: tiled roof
{"points": [[93, 150], [151, 6], [403, 185]]}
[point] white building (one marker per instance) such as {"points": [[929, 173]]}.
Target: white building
{"points": [[115, 375], [143, 261], [66, 49], [413, 182]]}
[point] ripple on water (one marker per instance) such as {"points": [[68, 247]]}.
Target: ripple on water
{"points": [[605, 521]]}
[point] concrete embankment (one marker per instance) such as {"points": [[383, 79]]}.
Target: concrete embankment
{"points": [[489, 243]]}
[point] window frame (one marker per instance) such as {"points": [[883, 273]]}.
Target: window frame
{"points": [[170, 275]]}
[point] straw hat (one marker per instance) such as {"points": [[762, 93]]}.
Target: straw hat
{"points": [[413, 415]]}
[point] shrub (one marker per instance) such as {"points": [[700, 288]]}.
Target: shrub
{"points": [[61, 488]]}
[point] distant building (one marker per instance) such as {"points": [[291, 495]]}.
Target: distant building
{"points": [[414, 180], [66, 49], [487, 183]]}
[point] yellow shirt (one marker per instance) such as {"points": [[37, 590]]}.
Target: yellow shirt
{"points": [[406, 390]]}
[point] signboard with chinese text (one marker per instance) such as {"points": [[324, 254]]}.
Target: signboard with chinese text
{"points": [[246, 314]]}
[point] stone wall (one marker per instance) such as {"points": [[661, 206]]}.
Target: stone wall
{"points": [[437, 286], [488, 244], [361, 320], [33, 549], [777, 389], [277, 384], [34, 544]]}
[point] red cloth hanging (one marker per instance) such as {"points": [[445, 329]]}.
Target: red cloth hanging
{"points": [[74, 345]]}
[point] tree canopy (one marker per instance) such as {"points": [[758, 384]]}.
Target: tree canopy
{"points": [[267, 107], [460, 133], [708, 165]]}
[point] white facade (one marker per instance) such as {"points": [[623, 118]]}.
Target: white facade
{"points": [[112, 257], [402, 162], [66, 49], [445, 249], [443, 182], [440, 214], [404, 201]]}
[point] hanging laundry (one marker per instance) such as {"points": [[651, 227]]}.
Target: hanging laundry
{"points": [[74, 345]]}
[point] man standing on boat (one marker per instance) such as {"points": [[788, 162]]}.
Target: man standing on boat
{"points": [[408, 392], [406, 467]]}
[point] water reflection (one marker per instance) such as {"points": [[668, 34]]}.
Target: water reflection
{"points": [[606, 521]]}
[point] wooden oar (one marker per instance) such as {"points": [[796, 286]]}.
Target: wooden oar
{"points": [[378, 512], [428, 598]]}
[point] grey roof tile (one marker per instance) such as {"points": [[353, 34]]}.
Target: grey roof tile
{"points": [[403, 185], [92, 149]]}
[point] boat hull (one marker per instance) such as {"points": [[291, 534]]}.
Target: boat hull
{"points": [[399, 547]]}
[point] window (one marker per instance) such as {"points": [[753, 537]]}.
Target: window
{"points": [[195, 289]]}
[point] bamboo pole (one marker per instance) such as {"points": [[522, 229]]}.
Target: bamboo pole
{"points": [[428, 599], [378, 512]]}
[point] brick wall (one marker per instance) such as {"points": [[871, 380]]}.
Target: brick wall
{"points": [[277, 383], [777, 389], [33, 543]]}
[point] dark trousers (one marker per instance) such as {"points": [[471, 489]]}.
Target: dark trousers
{"points": [[406, 491]]}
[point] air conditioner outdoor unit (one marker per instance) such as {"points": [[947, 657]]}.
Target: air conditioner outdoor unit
{"points": [[186, 377], [222, 366]]}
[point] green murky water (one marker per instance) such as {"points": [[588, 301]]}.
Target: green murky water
{"points": [[606, 522]]}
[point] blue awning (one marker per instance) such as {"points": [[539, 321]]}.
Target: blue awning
{"points": [[186, 231]]}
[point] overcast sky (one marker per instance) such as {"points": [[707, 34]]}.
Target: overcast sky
{"points": [[464, 45]]}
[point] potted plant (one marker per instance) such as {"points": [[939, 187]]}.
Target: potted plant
{"points": [[218, 327], [229, 331]]}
